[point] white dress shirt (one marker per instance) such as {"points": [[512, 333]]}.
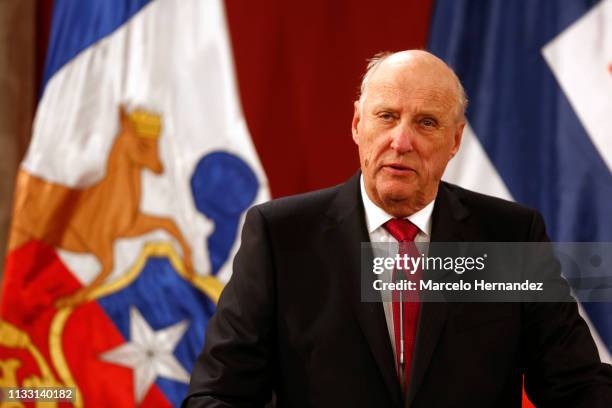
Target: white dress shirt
{"points": [[376, 217]]}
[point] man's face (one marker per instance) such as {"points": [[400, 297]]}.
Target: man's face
{"points": [[407, 129]]}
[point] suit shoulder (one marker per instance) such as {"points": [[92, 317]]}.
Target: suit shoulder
{"points": [[312, 203], [494, 219], [486, 204]]}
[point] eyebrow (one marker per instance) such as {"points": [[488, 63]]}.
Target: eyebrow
{"points": [[437, 113]]}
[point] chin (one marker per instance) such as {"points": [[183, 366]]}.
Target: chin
{"points": [[398, 199], [397, 195], [397, 190]]}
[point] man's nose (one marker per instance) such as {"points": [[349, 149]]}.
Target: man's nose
{"points": [[402, 139]]}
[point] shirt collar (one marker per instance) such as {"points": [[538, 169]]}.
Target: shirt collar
{"points": [[376, 216]]}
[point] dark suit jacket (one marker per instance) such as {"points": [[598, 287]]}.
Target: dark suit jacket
{"points": [[291, 320]]}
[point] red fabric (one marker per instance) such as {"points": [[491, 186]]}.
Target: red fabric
{"points": [[404, 232]]}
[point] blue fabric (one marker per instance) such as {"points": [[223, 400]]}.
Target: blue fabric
{"points": [[223, 187], [524, 120], [77, 24]]}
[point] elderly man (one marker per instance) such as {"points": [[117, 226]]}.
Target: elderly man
{"points": [[291, 320]]}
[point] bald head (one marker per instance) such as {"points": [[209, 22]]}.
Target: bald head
{"points": [[414, 62]]}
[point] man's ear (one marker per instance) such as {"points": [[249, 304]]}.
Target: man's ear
{"points": [[457, 139], [355, 123]]}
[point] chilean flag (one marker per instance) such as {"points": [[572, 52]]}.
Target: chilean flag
{"points": [[128, 203]]}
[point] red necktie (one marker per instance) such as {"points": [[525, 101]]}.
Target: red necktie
{"points": [[408, 305]]}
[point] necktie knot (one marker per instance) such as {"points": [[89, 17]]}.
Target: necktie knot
{"points": [[402, 230]]}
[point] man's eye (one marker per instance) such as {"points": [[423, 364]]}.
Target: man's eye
{"points": [[386, 116], [427, 122]]}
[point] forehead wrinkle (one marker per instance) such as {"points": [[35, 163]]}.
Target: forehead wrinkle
{"points": [[420, 100], [433, 101]]}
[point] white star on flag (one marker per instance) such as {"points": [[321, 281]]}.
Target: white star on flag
{"points": [[149, 353]]}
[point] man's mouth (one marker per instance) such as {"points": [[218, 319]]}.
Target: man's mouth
{"points": [[397, 169]]}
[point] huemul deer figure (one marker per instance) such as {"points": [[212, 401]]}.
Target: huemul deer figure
{"points": [[89, 220]]}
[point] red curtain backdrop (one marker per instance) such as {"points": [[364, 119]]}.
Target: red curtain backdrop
{"points": [[299, 64]]}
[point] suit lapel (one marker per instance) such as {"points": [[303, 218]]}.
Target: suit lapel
{"points": [[447, 226], [345, 233]]}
